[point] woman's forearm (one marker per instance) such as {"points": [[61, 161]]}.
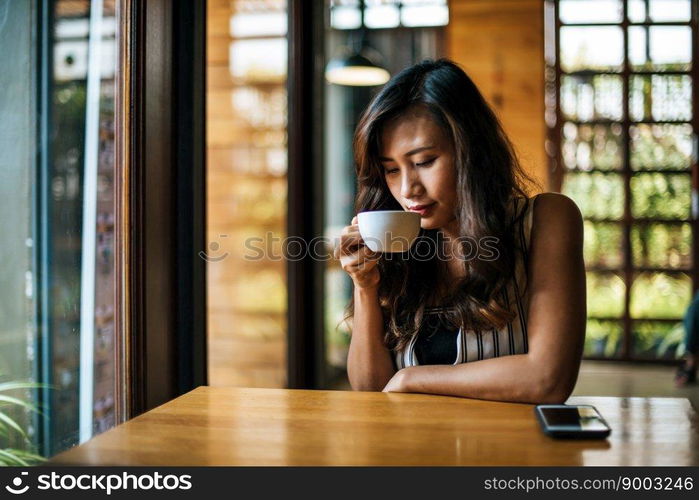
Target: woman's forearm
{"points": [[369, 365], [518, 378]]}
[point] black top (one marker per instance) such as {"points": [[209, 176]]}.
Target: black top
{"points": [[436, 341]]}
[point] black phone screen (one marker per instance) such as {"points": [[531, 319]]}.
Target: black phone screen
{"points": [[584, 418]]}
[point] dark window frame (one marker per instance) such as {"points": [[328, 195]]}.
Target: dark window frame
{"points": [[305, 287], [160, 203]]}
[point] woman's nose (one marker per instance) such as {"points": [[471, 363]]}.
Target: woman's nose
{"points": [[410, 184]]}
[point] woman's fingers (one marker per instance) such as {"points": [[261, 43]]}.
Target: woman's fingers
{"points": [[362, 260], [350, 228], [356, 258], [349, 241], [352, 250]]}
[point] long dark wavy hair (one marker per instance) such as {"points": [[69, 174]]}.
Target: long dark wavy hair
{"points": [[488, 177]]}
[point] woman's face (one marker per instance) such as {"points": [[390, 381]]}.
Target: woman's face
{"points": [[418, 162]]}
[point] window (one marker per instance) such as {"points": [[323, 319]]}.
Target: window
{"points": [[622, 143], [57, 212], [373, 14]]}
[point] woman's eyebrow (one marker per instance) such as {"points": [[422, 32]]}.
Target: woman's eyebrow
{"points": [[409, 153]]}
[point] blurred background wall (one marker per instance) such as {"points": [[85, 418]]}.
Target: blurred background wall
{"points": [[501, 46]]}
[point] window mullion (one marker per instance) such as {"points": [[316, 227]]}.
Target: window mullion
{"points": [[626, 173]]}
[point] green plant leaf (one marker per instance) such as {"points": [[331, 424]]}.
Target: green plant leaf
{"points": [[11, 423], [18, 402], [673, 339], [11, 386], [8, 458], [27, 456]]}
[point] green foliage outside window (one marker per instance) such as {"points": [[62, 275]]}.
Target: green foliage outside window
{"points": [[663, 196], [660, 295], [598, 195], [666, 146], [662, 245], [652, 339], [603, 338], [605, 295], [16, 448], [654, 195], [603, 245]]}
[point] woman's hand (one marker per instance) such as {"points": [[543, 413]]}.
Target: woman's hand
{"points": [[356, 258]]}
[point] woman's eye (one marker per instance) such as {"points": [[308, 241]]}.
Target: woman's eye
{"points": [[425, 163], [391, 171]]}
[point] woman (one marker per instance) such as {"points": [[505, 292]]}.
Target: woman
{"points": [[509, 327]]}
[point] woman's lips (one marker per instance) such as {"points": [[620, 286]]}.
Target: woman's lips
{"points": [[422, 209]]}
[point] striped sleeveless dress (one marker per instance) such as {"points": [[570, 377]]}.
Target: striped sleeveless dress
{"points": [[437, 343]]}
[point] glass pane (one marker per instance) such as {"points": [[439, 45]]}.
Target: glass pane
{"points": [[258, 24], [590, 11], [258, 60], [233, 202], [605, 295], [338, 286], [18, 143], [82, 225], [257, 107], [660, 11], [598, 48], [587, 147], [665, 196], [598, 195], [425, 15], [251, 160], [660, 48], [661, 97], [661, 245], [239, 6], [382, 16], [603, 338], [586, 98], [254, 326], [636, 10], [57, 296], [660, 295], [670, 10], [661, 146], [603, 245], [345, 18], [246, 192], [657, 339], [268, 296], [341, 114]]}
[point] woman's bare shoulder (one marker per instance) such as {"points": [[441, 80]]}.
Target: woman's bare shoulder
{"points": [[556, 206], [557, 214]]}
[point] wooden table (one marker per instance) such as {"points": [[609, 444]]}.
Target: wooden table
{"points": [[231, 426]]}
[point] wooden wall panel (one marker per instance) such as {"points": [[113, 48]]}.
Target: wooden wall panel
{"points": [[500, 44]]}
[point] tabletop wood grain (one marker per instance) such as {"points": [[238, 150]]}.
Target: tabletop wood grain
{"points": [[235, 426]]}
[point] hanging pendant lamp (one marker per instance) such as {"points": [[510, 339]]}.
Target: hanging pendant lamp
{"points": [[358, 67]]}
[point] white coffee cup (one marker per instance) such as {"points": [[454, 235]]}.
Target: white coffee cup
{"points": [[389, 230]]}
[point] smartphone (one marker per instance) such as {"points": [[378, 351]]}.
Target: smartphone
{"points": [[572, 422]]}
